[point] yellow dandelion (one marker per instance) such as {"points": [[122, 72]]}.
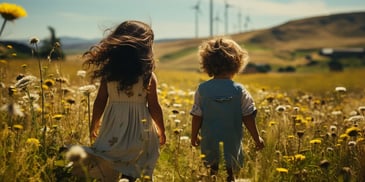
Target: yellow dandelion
{"points": [[353, 131], [272, 123], [344, 136], [57, 116], [13, 54], [282, 170], [3, 61], [11, 12], [288, 158], [18, 127], [315, 141], [45, 87], [361, 139], [299, 157], [33, 141], [49, 82], [177, 131], [291, 136], [9, 46], [202, 156]]}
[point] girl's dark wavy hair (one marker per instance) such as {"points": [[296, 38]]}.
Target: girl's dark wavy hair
{"points": [[124, 55]]}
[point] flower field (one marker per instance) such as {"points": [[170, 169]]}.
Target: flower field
{"points": [[313, 130]]}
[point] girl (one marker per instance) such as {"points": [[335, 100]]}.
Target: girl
{"points": [[221, 105], [127, 142]]}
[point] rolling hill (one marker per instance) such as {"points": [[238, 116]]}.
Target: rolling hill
{"points": [[278, 45]]}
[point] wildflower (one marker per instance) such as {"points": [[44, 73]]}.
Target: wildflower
{"points": [[299, 157], [76, 153], [33, 141], [315, 141], [144, 120], [360, 140], [291, 136], [176, 105], [356, 118], [12, 109], [272, 123], [324, 164], [18, 127], [25, 81], [333, 128], [280, 108], [177, 121], [81, 73], [70, 101], [33, 40], [49, 82], [87, 89], [353, 131], [329, 149], [340, 89], [62, 80], [282, 170], [336, 113], [9, 46], [11, 12], [202, 156], [175, 111], [31, 97], [351, 143], [344, 136], [57, 116], [177, 131], [361, 108], [124, 180]]}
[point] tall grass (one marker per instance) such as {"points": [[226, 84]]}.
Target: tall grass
{"points": [[312, 132]]}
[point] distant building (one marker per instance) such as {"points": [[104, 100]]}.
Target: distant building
{"points": [[338, 53]]}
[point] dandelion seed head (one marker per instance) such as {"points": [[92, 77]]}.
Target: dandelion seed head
{"points": [[76, 154], [81, 73], [34, 40], [12, 109], [25, 81], [351, 143], [340, 89]]}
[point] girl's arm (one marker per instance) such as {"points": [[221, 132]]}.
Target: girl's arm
{"points": [[154, 108], [195, 127], [99, 106], [250, 123]]}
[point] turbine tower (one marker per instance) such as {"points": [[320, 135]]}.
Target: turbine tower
{"points": [[226, 6], [211, 18], [217, 19], [197, 11]]}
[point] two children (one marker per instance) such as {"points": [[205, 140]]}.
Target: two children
{"points": [[132, 127]]}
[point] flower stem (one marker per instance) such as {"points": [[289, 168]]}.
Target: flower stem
{"points": [[3, 27]]}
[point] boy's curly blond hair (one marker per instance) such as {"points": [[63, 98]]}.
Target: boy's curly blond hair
{"points": [[222, 56]]}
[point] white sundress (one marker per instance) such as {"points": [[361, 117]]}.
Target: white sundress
{"points": [[127, 138]]}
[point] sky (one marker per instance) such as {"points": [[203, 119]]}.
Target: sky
{"points": [[89, 19]]}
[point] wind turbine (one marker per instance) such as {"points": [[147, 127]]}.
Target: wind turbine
{"points": [[217, 19], [239, 26], [226, 6], [247, 20], [197, 11]]}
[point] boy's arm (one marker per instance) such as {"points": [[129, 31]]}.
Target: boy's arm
{"points": [[250, 123], [195, 127]]}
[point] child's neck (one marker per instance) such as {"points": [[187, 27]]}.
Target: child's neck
{"points": [[223, 76]]}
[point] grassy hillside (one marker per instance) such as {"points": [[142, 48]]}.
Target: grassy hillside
{"points": [[283, 45]]}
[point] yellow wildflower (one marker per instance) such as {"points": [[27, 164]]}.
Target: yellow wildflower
{"points": [[299, 157], [57, 116], [281, 170], [353, 131], [18, 127], [33, 141], [315, 141], [12, 11]]}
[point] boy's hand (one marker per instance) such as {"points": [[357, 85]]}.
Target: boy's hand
{"points": [[260, 144]]}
